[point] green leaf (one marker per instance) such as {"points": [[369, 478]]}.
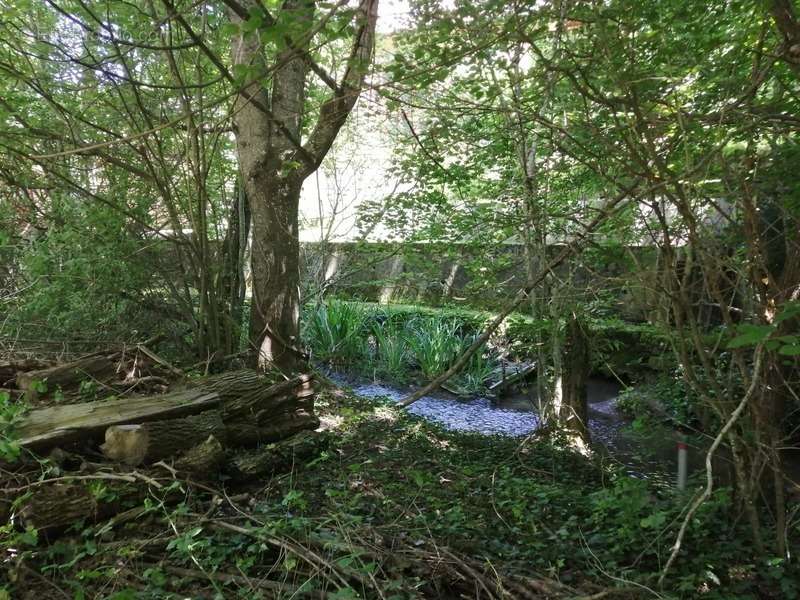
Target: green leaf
{"points": [[750, 335], [789, 310], [230, 29], [253, 23], [654, 521], [344, 594]]}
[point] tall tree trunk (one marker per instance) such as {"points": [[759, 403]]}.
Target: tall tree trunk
{"points": [[275, 269], [275, 160], [575, 368]]}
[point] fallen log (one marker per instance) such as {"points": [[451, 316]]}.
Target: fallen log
{"points": [[204, 459], [196, 426], [246, 434], [510, 374], [67, 376], [149, 442], [52, 507], [244, 399], [273, 458], [56, 506], [58, 425], [11, 368]]}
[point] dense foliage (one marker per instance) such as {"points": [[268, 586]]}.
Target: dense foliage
{"points": [[616, 179]]}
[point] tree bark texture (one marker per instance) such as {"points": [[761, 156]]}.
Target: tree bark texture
{"points": [[204, 459], [575, 371], [150, 442]]}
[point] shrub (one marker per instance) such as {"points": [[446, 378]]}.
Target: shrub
{"points": [[666, 396]]}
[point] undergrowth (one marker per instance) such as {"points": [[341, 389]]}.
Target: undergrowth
{"points": [[395, 345], [381, 482]]}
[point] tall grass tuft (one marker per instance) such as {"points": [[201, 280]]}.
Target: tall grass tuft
{"points": [[478, 369], [392, 356], [435, 344], [337, 332]]}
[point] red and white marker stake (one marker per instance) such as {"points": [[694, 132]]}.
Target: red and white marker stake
{"points": [[683, 464]]}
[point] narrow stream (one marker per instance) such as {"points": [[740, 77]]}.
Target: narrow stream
{"points": [[649, 452], [515, 416]]}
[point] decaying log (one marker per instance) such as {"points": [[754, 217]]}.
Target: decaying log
{"points": [[243, 397], [57, 506], [149, 442], [273, 458], [53, 507], [204, 459], [58, 425], [197, 427], [10, 369], [246, 398], [68, 375]]}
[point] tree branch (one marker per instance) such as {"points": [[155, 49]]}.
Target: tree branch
{"points": [[785, 18], [521, 295], [337, 107]]}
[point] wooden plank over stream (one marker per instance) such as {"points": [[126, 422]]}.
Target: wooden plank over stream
{"points": [[48, 427], [509, 374]]}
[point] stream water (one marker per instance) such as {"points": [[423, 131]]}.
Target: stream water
{"points": [[515, 415], [648, 452]]}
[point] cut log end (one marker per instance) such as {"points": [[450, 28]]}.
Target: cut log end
{"points": [[126, 443]]}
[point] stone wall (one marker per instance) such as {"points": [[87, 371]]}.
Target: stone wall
{"points": [[437, 274]]}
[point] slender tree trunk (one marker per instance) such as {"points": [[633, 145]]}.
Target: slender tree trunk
{"points": [[575, 368], [232, 287]]}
